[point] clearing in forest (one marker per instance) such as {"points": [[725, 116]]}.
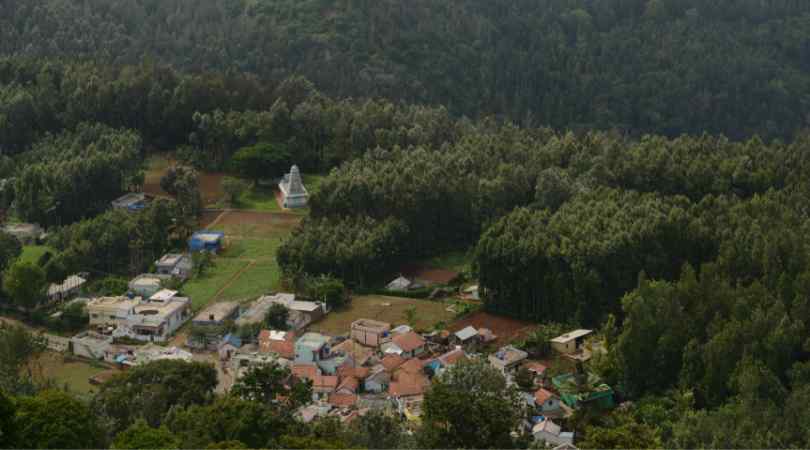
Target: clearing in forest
{"points": [[386, 309], [507, 330]]}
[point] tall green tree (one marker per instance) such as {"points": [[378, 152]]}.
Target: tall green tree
{"points": [[24, 283], [54, 419], [470, 406]]}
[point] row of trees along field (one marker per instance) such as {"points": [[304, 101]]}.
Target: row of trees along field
{"points": [[736, 67]]}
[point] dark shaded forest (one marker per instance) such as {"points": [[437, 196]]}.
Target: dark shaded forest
{"points": [[736, 67]]}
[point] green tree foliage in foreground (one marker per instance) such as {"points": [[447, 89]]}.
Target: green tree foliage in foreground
{"points": [[149, 392], [54, 419], [141, 435], [470, 406], [262, 161]]}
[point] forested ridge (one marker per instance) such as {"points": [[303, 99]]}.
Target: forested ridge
{"points": [[736, 67], [637, 167]]}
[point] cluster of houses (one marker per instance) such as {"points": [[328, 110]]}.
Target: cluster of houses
{"points": [[379, 365]]}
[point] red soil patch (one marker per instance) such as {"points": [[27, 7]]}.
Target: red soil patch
{"points": [[428, 274], [211, 187], [507, 330]]}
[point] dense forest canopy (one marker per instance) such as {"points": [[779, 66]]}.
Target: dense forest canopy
{"points": [[638, 167], [736, 67]]}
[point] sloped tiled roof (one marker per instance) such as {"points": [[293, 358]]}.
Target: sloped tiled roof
{"points": [[409, 341], [305, 371], [391, 362], [542, 396], [358, 372], [452, 357], [349, 384], [413, 365], [342, 400], [325, 382]]}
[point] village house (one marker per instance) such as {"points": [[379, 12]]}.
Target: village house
{"points": [[407, 392], [293, 192], [407, 345], [210, 241], [158, 318], [110, 311], [400, 284], [302, 313], [132, 201], [445, 361], [152, 320], [370, 332], [178, 265], [228, 346], [26, 233], [147, 284], [572, 344], [377, 380], [356, 354], [546, 401], [281, 343], [507, 359], [91, 345], [311, 348], [549, 432], [467, 337], [217, 314], [70, 287]]}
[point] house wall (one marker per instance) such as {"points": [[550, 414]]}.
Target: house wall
{"points": [[568, 347], [552, 404]]}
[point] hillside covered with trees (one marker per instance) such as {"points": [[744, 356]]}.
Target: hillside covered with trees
{"points": [[636, 167], [736, 67]]}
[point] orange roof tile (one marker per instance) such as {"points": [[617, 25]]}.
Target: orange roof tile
{"points": [[342, 400], [305, 371], [452, 357], [412, 365], [349, 384], [391, 362], [406, 388], [409, 341], [542, 396], [325, 382], [535, 366]]}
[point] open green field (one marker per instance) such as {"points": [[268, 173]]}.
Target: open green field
{"points": [[247, 267], [202, 290], [384, 308], [70, 372], [32, 253], [258, 198]]}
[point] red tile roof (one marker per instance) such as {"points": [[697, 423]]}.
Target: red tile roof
{"points": [[452, 357], [342, 400], [349, 384], [412, 365], [409, 341], [285, 348], [536, 367], [360, 373], [406, 388], [305, 371], [325, 383], [391, 362], [542, 396]]}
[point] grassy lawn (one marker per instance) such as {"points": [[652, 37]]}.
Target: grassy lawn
{"points": [[384, 308], [258, 198], [203, 290], [32, 253], [259, 279], [73, 373]]}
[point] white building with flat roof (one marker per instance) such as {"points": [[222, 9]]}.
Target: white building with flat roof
{"points": [[153, 320]]}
